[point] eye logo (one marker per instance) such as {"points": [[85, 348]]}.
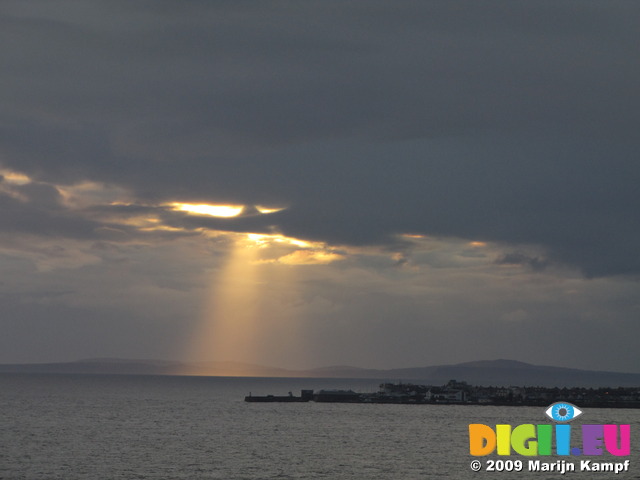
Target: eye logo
{"points": [[563, 412]]}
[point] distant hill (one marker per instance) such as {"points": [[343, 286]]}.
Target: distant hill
{"points": [[486, 372], [98, 366], [118, 366], [509, 372]]}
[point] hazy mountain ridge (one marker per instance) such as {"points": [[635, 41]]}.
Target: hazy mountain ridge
{"points": [[484, 372]]}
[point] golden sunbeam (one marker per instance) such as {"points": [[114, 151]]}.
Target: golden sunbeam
{"points": [[248, 315], [229, 323], [280, 332]]}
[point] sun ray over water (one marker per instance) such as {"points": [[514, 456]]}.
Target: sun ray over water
{"points": [[228, 327], [249, 311]]}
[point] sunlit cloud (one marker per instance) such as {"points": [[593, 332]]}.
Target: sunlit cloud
{"points": [[263, 240], [211, 210], [11, 181], [268, 210], [477, 244], [73, 196], [160, 228], [309, 257], [86, 194], [413, 236], [224, 211], [123, 218], [14, 178], [304, 253]]}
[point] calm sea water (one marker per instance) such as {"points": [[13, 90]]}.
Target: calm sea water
{"points": [[139, 427]]}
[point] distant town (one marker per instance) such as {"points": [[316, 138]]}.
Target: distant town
{"points": [[461, 393]]}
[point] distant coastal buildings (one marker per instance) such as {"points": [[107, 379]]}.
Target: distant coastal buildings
{"points": [[455, 392], [461, 393]]}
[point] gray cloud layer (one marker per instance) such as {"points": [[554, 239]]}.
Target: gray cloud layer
{"points": [[509, 122]]}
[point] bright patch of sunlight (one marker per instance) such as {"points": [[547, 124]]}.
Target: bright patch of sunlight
{"points": [[310, 257], [224, 211], [14, 178], [477, 244], [263, 240], [267, 210]]}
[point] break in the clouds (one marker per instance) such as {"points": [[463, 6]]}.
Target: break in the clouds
{"points": [[363, 136]]}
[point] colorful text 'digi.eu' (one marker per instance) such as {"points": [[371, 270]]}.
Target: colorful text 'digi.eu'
{"points": [[531, 440]]}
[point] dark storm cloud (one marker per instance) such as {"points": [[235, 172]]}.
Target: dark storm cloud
{"points": [[511, 122], [38, 209]]}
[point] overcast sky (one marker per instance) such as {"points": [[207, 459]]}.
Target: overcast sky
{"points": [[421, 183]]}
